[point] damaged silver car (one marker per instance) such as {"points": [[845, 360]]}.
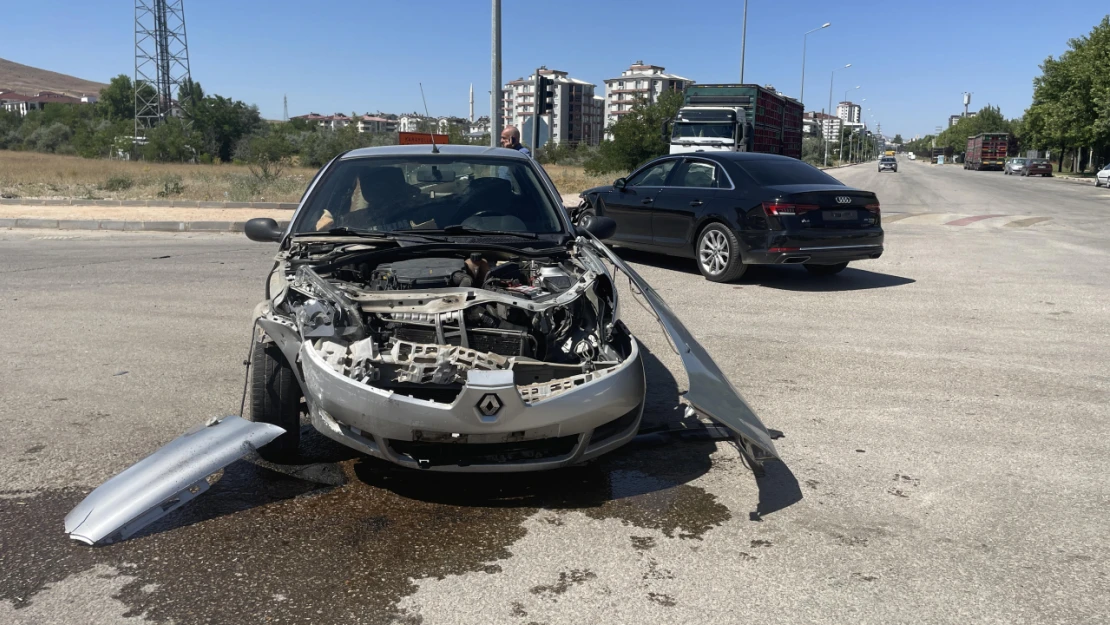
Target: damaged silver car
{"points": [[435, 307]]}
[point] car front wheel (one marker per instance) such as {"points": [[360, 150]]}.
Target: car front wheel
{"points": [[276, 399], [719, 254], [825, 270]]}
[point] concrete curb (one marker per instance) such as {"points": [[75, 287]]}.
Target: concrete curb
{"points": [[127, 226], [1074, 180], [148, 203]]}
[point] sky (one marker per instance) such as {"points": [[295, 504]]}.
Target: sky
{"points": [[911, 60]]}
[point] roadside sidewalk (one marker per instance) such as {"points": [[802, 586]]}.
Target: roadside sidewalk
{"points": [[134, 218]]}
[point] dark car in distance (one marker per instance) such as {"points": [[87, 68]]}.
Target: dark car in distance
{"points": [[729, 210], [1037, 167]]}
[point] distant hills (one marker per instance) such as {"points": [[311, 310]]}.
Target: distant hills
{"points": [[31, 80]]}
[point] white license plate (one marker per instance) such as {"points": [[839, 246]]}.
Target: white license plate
{"points": [[840, 215]]}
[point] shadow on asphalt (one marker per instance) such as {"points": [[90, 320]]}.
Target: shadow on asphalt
{"points": [[787, 278], [782, 277]]}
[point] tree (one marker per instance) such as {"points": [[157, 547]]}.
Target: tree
{"points": [[221, 122], [637, 136], [117, 100], [266, 153], [170, 140], [898, 139]]}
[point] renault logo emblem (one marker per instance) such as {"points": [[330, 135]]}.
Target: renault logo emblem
{"points": [[843, 199], [489, 405]]}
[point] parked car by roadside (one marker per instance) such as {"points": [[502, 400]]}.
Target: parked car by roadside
{"points": [[1014, 166], [1037, 167], [729, 210]]}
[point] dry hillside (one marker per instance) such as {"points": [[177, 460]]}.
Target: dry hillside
{"points": [[30, 80]]}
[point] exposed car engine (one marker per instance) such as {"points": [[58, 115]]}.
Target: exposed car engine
{"points": [[417, 326]]}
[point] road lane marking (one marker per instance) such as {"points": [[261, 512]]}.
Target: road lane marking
{"points": [[970, 220], [1028, 221], [889, 219]]}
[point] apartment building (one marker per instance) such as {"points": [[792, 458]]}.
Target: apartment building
{"points": [[822, 124], [376, 123], [638, 82], [848, 112], [574, 109]]}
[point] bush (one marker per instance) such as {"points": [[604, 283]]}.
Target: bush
{"points": [[118, 183], [637, 136], [171, 185], [49, 138]]}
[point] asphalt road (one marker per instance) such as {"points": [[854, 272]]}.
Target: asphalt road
{"points": [[944, 411]]}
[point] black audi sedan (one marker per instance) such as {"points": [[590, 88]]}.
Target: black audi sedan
{"points": [[729, 210]]}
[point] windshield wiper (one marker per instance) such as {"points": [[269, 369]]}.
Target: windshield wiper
{"points": [[460, 229]]}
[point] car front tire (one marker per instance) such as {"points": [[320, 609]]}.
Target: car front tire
{"points": [[276, 399], [825, 270], [718, 254]]}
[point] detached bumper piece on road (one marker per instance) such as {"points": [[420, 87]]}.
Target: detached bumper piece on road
{"points": [[165, 480]]}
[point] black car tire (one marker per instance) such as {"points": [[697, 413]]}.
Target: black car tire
{"points": [[276, 399], [723, 250], [825, 270], [584, 217]]}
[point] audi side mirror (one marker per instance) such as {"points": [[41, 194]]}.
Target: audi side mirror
{"points": [[619, 184], [263, 229], [599, 226]]}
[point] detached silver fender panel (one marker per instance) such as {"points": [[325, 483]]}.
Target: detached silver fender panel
{"points": [[710, 391], [165, 480]]}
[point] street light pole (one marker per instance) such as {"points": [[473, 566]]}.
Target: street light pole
{"points": [[495, 77], [743, 41], [832, 75], [802, 95]]}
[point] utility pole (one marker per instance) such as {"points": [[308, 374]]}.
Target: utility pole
{"points": [[967, 101], [743, 41], [495, 77], [285, 108], [802, 96]]}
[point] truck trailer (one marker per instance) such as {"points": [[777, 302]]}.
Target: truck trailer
{"points": [[987, 151], [737, 118]]}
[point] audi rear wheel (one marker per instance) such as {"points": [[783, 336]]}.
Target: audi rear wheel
{"points": [[718, 253]]}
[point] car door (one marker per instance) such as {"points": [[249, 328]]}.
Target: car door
{"points": [[693, 190], [631, 206]]}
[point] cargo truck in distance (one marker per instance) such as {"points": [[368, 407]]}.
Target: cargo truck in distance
{"points": [[737, 118], [987, 151]]}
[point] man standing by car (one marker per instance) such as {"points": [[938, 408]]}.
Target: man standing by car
{"points": [[510, 138]]}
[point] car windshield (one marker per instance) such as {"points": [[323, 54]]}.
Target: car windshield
{"points": [[1040, 161], [888, 159], [1019, 161], [785, 171], [712, 131], [429, 192]]}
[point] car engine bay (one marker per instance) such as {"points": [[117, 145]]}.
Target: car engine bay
{"points": [[416, 326]]}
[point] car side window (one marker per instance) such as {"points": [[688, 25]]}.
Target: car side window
{"points": [[697, 174], [653, 176]]}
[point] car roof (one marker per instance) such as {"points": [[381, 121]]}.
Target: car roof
{"points": [[447, 149]]}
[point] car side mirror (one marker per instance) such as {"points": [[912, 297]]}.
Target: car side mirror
{"points": [[600, 227], [619, 184], [263, 229]]}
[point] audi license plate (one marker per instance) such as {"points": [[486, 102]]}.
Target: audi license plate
{"points": [[840, 215]]}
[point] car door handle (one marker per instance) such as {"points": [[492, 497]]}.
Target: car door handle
{"points": [[695, 203], [646, 200]]}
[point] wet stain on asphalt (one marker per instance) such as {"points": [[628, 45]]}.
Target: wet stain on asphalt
{"points": [[342, 541]]}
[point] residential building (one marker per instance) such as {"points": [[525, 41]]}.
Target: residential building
{"points": [[822, 124], [444, 125], [573, 115], [954, 119], [414, 122], [375, 123], [594, 121], [480, 126], [638, 82], [848, 112], [23, 104]]}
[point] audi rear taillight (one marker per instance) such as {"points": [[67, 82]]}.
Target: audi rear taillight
{"points": [[874, 208], [788, 210]]}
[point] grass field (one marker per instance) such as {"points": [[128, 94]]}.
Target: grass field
{"points": [[50, 176], [35, 175]]}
